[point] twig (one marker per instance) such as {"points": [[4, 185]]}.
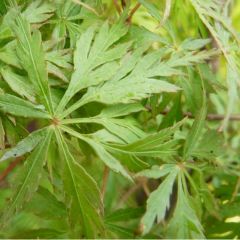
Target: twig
{"points": [[117, 6], [104, 183], [166, 13], [236, 190], [123, 2], [86, 6], [129, 193], [129, 19], [9, 169], [144, 182]]}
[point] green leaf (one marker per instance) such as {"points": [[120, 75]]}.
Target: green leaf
{"points": [[28, 178], [26, 145], [94, 59], [210, 146], [134, 81], [120, 110], [156, 145], [9, 56], [18, 84], [214, 16], [31, 55], [121, 215], [184, 223], [50, 207], [38, 11], [82, 193], [19, 107], [159, 201], [157, 172], [232, 77], [152, 9], [129, 90], [125, 129], [197, 128], [194, 44], [105, 156]]}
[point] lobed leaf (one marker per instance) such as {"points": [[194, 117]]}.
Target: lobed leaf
{"points": [[159, 201], [28, 178], [31, 55], [26, 145], [19, 107], [82, 194]]}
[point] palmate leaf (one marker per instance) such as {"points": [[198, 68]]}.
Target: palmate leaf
{"points": [[31, 55], [136, 80], [159, 200], [28, 178], [82, 194], [141, 77], [129, 90], [72, 12], [19, 107], [89, 57]]}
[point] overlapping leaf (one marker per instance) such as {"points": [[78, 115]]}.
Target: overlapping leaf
{"points": [[31, 55], [82, 193], [28, 178], [159, 200], [19, 107]]}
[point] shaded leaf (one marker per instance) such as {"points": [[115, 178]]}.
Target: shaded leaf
{"points": [[19, 107], [82, 193]]}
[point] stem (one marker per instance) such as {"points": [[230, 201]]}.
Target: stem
{"points": [[236, 190], [117, 6], [105, 180], [129, 193], [129, 19], [10, 168]]}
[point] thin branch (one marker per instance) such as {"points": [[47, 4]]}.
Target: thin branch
{"points": [[145, 187], [10, 168], [123, 2], [129, 19], [127, 194], [141, 183], [166, 13], [117, 6], [104, 182], [236, 189], [86, 6]]}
